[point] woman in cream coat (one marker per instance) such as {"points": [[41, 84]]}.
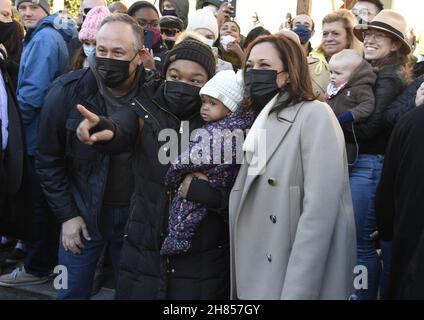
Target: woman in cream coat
{"points": [[291, 218]]}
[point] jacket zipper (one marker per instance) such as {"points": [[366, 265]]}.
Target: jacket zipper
{"points": [[150, 114]]}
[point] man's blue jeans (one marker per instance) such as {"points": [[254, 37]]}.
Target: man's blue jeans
{"points": [[364, 178], [82, 267]]}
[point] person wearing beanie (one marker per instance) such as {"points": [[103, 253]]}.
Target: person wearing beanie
{"points": [[173, 113], [87, 36], [44, 58], [170, 28], [147, 16], [204, 22], [176, 8], [194, 51], [221, 97], [43, 4]]}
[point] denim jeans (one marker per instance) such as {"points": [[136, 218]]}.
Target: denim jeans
{"points": [[82, 267], [364, 178], [41, 255]]}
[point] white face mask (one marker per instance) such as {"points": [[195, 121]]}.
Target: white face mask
{"points": [[88, 50], [210, 42]]}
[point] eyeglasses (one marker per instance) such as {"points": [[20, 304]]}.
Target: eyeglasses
{"points": [[169, 32], [154, 24], [378, 36]]}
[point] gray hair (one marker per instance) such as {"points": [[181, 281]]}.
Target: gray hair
{"points": [[138, 34]]}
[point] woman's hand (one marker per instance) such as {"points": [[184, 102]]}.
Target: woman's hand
{"points": [[419, 100], [234, 47], [185, 185], [149, 60], [223, 14]]}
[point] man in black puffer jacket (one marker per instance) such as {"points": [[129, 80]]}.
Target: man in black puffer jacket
{"points": [[89, 192]]}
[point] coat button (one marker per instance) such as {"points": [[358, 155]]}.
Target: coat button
{"points": [[269, 257], [172, 270], [272, 182], [146, 116], [273, 219], [133, 104]]}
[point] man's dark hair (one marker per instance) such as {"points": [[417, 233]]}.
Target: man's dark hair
{"points": [[138, 34]]}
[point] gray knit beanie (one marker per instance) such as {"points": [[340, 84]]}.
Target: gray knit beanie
{"points": [[44, 4]]}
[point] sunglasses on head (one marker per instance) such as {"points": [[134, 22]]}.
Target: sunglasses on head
{"points": [[170, 32]]}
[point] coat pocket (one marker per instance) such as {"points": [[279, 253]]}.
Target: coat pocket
{"points": [[295, 207]]}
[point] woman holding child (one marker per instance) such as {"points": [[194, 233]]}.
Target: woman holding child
{"points": [[387, 50]]}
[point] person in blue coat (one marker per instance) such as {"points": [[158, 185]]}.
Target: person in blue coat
{"points": [[44, 58]]}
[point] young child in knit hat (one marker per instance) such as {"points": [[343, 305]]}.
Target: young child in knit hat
{"points": [[350, 91], [221, 110], [87, 36]]}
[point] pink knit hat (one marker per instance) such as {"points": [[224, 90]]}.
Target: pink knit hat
{"points": [[92, 23]]}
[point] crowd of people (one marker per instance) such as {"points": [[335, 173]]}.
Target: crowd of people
{"points": [[208, 164]]}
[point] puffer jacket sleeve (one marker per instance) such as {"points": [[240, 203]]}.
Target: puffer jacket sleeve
{"points": [[126, 126], [404, 103], [50, 155]]}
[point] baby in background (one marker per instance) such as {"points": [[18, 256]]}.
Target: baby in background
{"points": [[223, 114], [350, 92]]}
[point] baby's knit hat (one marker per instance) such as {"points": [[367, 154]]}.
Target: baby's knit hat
{"points": [[226, 87]]}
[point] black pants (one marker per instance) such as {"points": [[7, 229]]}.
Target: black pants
{"points": [[42, 250]]}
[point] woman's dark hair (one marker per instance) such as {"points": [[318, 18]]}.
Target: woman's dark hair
{"points": [[396, 58], [13, 45], [77, 61], [294, 59], [253, 34]]}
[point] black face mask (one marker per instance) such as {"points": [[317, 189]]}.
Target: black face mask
{"points": [[262, 86], [169, 44], [183, 99], [6, 30], [113, 72]]}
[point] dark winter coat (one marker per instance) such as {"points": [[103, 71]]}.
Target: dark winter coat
{"points": [[400, 206], [201, 273], [404, 103], [372, 134], [15, 195], [73, 175], [186, 216], [357, 96]]}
